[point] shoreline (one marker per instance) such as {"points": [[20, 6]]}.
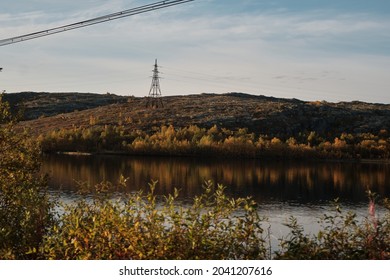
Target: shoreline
{"points": [[221, 157]]}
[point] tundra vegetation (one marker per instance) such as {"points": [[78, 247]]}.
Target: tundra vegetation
{"points": [[148, 226]]}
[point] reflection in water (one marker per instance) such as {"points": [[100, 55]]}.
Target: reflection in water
{"points": [[282, 189], [266, 181]]}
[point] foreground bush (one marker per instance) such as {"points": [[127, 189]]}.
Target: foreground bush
{"points": [[342, 237], [25, 208], [213, 227]]}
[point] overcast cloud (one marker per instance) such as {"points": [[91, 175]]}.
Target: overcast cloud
{"points": [[334, 51]]}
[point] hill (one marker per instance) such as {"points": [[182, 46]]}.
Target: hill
{"points": [[43, 104], [259, 114]]}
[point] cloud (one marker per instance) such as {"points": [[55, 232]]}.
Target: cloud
{"points": [[295, 54], [281, 31]]}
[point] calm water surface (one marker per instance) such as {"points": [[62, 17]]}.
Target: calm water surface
{"points": [[305, 190]]}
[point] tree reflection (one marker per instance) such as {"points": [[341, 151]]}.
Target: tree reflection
{"points": [[265, 181]]}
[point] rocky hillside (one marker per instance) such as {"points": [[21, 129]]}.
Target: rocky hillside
{"points": [[43, 104], [260, 114]]}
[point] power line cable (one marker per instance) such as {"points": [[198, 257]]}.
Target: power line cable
{"points": [[113, 16]]}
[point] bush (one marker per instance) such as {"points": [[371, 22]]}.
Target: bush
{"points": [[341, 237], [25, 209], [145, 226], [213, 227]]}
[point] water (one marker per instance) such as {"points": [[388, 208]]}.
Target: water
{"points": [[282, 189], [268, 182]]}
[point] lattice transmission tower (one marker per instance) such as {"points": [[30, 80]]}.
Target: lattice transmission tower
{"points": [[154, 98], [1, 69]]}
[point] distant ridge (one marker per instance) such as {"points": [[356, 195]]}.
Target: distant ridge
{"points": [[44, 104], [259, 114]]}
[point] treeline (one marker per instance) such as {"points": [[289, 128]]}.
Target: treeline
{"points": [[215, 141]]}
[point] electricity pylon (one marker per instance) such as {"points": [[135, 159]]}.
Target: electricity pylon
{"points": [[154, 98], [1, 69]]}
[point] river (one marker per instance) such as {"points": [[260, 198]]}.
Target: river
{"points": [[282, 189]]}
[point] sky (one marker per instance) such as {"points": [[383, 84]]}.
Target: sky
{"points": [[334, 50]]}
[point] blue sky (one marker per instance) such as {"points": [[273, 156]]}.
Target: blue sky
{"points": [[306, 49]]}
